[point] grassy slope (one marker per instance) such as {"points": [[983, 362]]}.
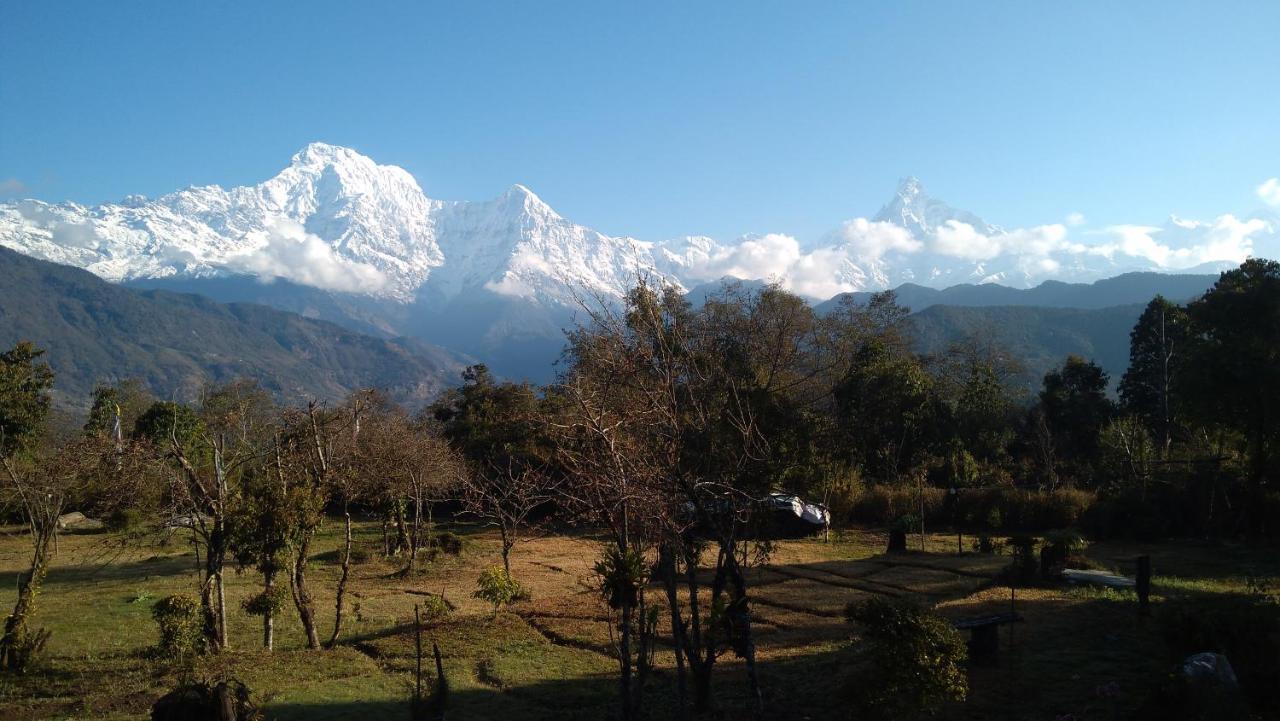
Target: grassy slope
{"points": [[544, 660]]}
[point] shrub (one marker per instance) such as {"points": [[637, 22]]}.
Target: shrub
{"points": [[448, 542], [498, 588], [180, 625], [842, 496], [434, 608], [1024, 567], [1061, 548], [264, 603], [989, 509], [124, 520], [911, 661], [622, 575]]}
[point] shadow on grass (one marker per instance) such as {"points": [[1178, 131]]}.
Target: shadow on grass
{"points": [[108, 569]]}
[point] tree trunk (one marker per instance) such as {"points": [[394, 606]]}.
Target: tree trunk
{"points": [[342, 585], [268, 618], [416, 536], [624, 658], [667, 569], [213, 601], [301, 596], [746, 643], [17, 645], [402, 531], [507, 543]]}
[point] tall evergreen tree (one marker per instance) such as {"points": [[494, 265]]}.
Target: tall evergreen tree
{"points": [[1149, 388]]}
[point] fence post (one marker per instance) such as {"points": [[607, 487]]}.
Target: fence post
{"points": [[1143, 585]]}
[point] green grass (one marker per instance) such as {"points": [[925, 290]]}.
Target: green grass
{"points": [[99, 594]]}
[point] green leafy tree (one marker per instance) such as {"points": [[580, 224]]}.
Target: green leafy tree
{"points": [[1233, 368], [1075, 408], [24, 396], [126, 401], [886, 409]]}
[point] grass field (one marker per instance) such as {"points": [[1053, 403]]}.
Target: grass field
{"points": [[1082, 653]]}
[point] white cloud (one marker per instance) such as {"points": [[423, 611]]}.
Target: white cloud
{"points": [[871, 240], [286, 250], [1075, 219], [767, 256], [779, 258], [961, 240], [1186, 243], [1269, 191]]}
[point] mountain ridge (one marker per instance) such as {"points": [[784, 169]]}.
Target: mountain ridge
{"points": [[96, 332]]}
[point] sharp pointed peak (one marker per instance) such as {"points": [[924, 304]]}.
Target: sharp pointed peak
{"points": [[910, 185], [318, 153]]}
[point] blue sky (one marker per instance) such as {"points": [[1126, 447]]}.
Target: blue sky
{"points": [[660, 119]]}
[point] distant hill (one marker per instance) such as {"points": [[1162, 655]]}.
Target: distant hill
{"points": [[1126, 289], [97, 332], [1040, 338]]}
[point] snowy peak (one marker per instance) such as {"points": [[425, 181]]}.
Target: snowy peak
{"points": [[915, 210], [335, 220]]}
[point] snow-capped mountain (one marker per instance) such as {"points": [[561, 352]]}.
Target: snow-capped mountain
{"points": [[338, 236], [922, 215]]}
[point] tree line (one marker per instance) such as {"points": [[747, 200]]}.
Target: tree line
{"points": [[667, 426]]}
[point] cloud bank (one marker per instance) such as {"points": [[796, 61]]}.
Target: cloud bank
{"points": [[287, 251]]}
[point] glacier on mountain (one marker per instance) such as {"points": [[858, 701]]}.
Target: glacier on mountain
{"points": [[337, 221]]}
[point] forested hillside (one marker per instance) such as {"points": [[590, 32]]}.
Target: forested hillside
{"points": [[1036, 339], [96, 332]]}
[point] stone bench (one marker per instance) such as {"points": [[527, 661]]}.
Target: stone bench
{"points": [[984, 636]]}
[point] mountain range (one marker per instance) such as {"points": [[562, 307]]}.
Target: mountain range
{"points": [[336, 236]]}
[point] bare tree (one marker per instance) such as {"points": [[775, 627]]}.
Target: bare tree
{"points": [[210, 452]]}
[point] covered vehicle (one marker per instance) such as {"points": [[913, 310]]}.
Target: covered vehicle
{"points": [[791, 517]]}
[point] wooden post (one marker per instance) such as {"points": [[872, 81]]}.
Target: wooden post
{"points": [[417, 642], [1013, 610], [1143, 585]]}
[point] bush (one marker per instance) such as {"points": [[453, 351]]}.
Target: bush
{"points": [[842, 496], [181, 632], [1023, 568], [1061, 549], [911, 661], [262, 604], [434, 608], [124, 520], [986, 509], [498, 588], [622, 575], [448, 542]]}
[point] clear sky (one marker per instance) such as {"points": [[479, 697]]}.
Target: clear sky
{"points": [[661, 119]]}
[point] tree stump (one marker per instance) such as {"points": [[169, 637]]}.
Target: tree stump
{"points": [[897, 540]]}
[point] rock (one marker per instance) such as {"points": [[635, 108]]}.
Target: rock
{"points": [[77, 521], [1202, 688], [1213, 668]]}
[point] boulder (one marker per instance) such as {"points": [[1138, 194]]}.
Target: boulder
{"points": [[77, 521], [1202, 688]]}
